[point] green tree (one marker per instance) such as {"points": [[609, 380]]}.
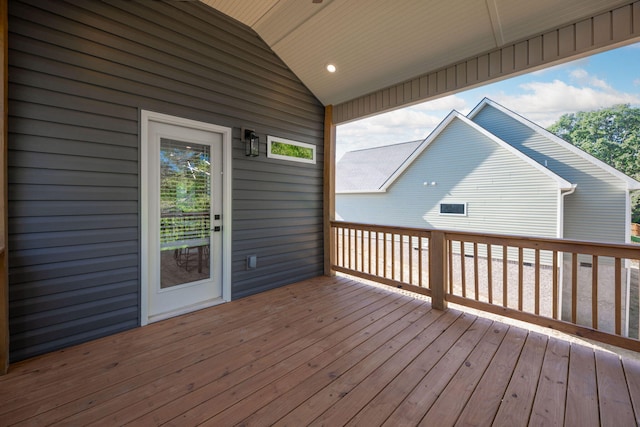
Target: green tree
{"points": [[609, 134]]}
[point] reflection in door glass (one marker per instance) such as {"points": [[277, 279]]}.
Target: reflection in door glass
{"points": [[185, 206]]}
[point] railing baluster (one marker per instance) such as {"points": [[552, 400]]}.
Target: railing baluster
{"points": [[410, 248], [476, 284], [384, 254], [369, 251], [594, 291], [520, 277], [420, 283], [574, 287], [463, 273], [362, 249], [344, 259], [450, 244], [556, 272], [377, 253], [618, 297], [393, 256], [537, 281], [505, 275], [489, 274], [401, 244]]}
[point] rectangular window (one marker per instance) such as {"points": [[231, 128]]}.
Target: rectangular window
{"points": [[453, 209], [286, 149]]}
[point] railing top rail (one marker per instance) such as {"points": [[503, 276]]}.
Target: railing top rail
{"points": [[618, 250], [424, 232]]}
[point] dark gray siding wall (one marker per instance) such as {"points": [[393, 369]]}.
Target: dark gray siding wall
{"points": [[80, 71]]}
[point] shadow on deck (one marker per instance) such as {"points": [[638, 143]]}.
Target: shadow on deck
{"points": [[327, 351]]}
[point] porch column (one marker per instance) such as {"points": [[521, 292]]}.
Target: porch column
{"points": [[438, 269], [4, 279], [329, 184]]}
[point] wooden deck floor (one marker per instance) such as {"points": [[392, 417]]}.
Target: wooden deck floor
{"points": [[327, 351]]}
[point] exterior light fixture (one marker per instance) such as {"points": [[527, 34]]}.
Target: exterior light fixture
{"points": [[331, 68], [251, 143]]}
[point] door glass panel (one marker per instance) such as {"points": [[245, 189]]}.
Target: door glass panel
{"points": [[185, 208]]}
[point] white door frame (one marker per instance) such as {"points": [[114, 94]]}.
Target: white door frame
{"points": [[225, 132]]}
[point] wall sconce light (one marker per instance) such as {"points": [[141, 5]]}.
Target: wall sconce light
{"points": [[251, 143]]}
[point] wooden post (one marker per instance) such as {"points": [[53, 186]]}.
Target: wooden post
{"points": [[329, 193], [437, 269], [4, 276]]}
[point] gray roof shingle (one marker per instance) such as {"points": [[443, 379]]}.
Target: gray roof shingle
{"points": [[368, 169]]}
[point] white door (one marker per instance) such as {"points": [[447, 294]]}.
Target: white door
{"points": [[182, 217]]}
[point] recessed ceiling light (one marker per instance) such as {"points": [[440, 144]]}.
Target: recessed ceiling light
{"points": [[331, 68]]}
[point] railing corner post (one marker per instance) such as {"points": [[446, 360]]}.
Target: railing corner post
{"points": [[437, 269]]}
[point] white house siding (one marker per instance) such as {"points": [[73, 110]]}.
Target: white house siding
{"points": [[596, 210], [504, 194]]}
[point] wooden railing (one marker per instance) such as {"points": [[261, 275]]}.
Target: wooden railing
{"points": [[586, 289]]}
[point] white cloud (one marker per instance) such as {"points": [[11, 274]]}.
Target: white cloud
{"points": [[542, 102], [407, 124], [545, 102]]}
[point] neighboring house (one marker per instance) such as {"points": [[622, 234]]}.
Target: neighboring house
{"points": [[492, 171]]}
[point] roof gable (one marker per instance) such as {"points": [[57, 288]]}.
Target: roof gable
{"points": [[398, 171], [631, 183]]}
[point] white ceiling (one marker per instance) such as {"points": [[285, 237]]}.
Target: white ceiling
{"points": [[379, 43]]}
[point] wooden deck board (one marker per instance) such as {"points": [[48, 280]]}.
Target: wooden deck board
{"points": [[483, 404], [582, 391], [613, 394], [518, 398], [548, 407], [327, 351]]}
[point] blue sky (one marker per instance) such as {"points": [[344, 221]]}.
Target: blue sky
{"points": [[598, 81]]}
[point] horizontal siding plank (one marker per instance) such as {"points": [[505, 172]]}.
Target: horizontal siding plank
{"points": [[66, 299], [72, 223], [55, 98], [71, 238], [71, 177], [274, 204], [240, 214], [42, 256], [76, 267], [78, 282], [63, 131], [72, 117], [53, 192], [40, 144], [84, 329], [45, 208]]}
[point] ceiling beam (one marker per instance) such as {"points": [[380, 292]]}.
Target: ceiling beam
{"points": [[588, 36]]}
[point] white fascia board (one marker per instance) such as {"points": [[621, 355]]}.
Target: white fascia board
{"points": [[631, 183], [361, 191]]}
